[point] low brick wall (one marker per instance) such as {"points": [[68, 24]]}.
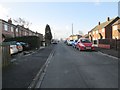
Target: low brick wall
{"points": [[104, 46]]}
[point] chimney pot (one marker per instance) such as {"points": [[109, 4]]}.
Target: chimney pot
{"points": [[108, 19], [98, 23], [10, 21]]}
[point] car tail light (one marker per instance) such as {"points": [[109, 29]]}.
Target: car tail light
{"points": [[17, 47]]}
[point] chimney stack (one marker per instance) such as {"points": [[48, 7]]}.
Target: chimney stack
{"points": [[10, 21], [108, 19], [98, 23]]}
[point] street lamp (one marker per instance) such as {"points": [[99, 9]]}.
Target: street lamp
{"points": [[54, 35], [72, 31]]}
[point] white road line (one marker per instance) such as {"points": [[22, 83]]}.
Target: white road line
{"points": [[13, 60], [107, 55], [38, 85], [37, 81]]}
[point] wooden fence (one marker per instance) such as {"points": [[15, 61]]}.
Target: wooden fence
{"points": [[111, 43], [5, 55]]}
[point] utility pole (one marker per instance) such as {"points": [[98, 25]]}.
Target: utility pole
{"points": [[72, 31], [54, 36]]}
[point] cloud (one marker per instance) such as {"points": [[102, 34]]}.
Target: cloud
{"points": [[3, 12]]}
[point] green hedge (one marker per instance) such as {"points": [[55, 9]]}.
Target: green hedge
{"points": [[33, 41]]}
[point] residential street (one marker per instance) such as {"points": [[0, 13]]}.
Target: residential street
{"points": [[66, 68], [70, 68], [64, 44]]}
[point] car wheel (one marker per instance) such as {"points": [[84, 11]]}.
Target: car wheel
{"points": [[76, 48], [79, 49]]}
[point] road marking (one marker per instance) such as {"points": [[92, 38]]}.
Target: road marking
{"points": [[107, 55], [27, 55], [37, 81], [13, 60]]}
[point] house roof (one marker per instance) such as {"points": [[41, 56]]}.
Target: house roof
{"points": [[86, 35], [75, 35], [104, 24], [117, 22], [7, 22]]}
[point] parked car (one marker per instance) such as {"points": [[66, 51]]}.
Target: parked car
{"points": [[24, 45], [54, 42], [74, 43], [84, 44], [13, 49], [69, 42], [65, 41], [19, 47]]}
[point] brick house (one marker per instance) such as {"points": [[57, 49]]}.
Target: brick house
{"points": [[19, 31], [10, 30], [102, 30], [85, 36], [116, 30], [74, 37]]}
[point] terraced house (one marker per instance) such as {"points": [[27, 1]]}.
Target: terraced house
{"points": [[103, 30], [74, 37], [116, 30], [10, 30]]}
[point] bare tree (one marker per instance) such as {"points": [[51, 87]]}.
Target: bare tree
{"points": [[22, 22]]}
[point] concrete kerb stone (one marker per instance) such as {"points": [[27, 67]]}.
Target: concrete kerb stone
{"points": [[40, 75], [107, 55], [97, 50]]}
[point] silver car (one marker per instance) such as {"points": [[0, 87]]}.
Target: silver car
{"points": [[13, 49]]}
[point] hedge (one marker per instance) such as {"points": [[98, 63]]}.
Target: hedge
{"points": [[33, 41]]}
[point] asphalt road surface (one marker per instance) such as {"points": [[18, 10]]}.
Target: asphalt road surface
{"points": [[70, 68]]}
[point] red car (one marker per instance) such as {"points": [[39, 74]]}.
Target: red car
{"points": [[84, 44]]}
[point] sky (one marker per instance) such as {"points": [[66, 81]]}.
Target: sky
{"points": [[60, 15]]}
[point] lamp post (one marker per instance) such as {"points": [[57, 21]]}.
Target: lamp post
{"points": [[54, 35], [72, 31]]}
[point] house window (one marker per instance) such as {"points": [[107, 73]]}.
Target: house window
{"points": [[25, 33], [97, 32], [16, 29], [5, 27], [115, 27], [30, 33], [93, 32], [117, 37], [114, 37], [12, 29]]}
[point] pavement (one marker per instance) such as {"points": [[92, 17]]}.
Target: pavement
{"points": [[111, 52], [23, 69]]}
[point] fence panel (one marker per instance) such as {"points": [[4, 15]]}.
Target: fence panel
{"points": [[5, 55]]}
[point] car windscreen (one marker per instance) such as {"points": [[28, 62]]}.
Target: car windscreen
{"points": [[85, 41]]}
